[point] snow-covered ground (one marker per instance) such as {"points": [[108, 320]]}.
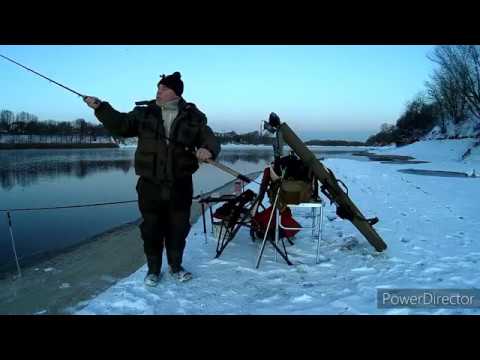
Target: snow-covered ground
{"points": [[430, 224], [442, 154]]}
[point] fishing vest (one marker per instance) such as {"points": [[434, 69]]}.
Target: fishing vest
{"points": [[161, 162]]}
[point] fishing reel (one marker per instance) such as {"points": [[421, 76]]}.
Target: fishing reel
{"points": [[267, 127], [273, 123], [271, 126]]}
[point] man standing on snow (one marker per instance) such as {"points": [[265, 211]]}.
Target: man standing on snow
{"points": [[173, 137]]}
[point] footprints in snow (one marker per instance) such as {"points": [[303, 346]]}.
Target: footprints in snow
{"points": [[349, 243]]}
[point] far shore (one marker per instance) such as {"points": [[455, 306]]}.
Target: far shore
{"points": [[5, 146]]}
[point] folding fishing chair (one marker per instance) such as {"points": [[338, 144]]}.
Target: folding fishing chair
{"points": [[231, 216]]}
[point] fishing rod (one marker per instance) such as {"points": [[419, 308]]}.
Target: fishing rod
{"points": [[231, 171], [53, 81], [211, 162]]}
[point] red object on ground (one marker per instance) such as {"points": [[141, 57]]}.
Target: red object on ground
{"points": [[286, 219]]}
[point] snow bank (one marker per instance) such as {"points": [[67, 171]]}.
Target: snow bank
{"points": [[468, 128], [444, 154]]}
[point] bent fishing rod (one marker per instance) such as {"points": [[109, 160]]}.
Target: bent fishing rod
{"points": [[43, 76]]}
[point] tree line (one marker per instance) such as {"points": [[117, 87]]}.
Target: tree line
{"points": [[254, 138], [451, 95], [24, 123]]}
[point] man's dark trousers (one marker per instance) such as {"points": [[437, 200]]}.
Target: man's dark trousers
{"points": [[166, 220]]}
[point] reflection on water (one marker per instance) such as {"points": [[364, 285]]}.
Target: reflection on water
{"points": [[29, 174], [252, 156], [28, 167]]}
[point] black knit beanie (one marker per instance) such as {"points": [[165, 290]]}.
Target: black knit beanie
{"points": [[173, 82]]}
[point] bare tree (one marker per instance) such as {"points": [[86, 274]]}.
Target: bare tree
{"points": [[21, 117], [442, 90], [461, 63], [81, 126], [6, 119], [473, 80], [387, 128]]}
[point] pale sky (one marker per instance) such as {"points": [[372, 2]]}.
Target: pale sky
{"points": [[321, 91]]}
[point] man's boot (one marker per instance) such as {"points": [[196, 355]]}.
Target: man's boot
{"points": [[154, 264], [180, 274]]}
